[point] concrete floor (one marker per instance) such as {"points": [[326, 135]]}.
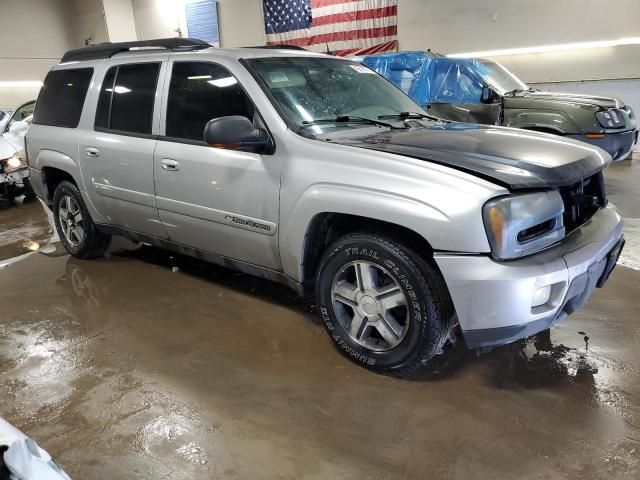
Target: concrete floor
{"points": [[122, 368]]}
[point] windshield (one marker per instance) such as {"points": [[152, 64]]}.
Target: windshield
{"points": [[501, 79], [308, 90]]}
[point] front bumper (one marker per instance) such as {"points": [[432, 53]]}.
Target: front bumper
{"points": [[493, 300], [17, 177], [618, 145]]}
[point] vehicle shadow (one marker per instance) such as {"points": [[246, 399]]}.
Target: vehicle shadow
{"points": [[533, 363]]}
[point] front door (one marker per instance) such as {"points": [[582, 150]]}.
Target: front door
{"points": [[212, 199], [117, 157], [456, 94]]}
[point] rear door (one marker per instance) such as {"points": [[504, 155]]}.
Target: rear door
{"points": [[216, 200], [117, 156]]}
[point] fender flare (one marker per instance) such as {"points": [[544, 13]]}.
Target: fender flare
{"points": [[558, 121], [341, 199]]}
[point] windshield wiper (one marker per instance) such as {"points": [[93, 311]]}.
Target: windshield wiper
{"points": [[347, 119], [410, 115]]}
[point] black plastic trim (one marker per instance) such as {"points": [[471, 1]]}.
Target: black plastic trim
{"points": [[221, 260], [108, 49], [124, 133]]}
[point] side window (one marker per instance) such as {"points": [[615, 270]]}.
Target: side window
{"points": [[126, 98], [453, 83], [200, 92], [62, 97]]}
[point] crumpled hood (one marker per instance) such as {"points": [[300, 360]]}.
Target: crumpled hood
{"points": [[513, 158], [592, 100], [6, 149]]}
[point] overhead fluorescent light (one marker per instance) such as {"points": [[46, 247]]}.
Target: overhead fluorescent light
{"points": [[223, 82], [564, 47], [199, 77], [21, 84]]}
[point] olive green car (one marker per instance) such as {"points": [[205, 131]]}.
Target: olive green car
{"points": [[483, 91]]}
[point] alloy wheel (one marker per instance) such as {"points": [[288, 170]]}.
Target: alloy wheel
{"points": [[370, 305], [70, 219]]}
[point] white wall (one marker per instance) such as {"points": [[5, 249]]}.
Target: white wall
{"points": [[157, 18], [470, 25], [119, 19], [33, 36], [87, 22], [241, 23]]}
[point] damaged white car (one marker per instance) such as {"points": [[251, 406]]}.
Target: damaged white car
{"points": [[22, 459], [14, 171]]}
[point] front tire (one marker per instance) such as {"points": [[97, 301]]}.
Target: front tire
{"points": [[74, 225], [383, 306]]}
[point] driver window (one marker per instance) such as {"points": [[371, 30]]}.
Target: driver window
{"points": [[200, 92], [452, 83]]}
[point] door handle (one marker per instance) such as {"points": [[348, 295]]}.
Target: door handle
{"points": [[170, 165], [92, 152]]}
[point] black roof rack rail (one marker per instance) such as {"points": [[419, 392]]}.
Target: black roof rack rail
{"points": [[108, 49], [280, 47]]}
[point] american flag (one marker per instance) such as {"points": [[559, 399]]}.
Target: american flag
{"points": [[341, 27]]}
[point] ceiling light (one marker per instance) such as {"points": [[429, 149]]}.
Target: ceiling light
{"points": [[549, 48], [21, 84], [223, 82], [199, 77]]}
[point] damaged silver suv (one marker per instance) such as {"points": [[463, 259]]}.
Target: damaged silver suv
{"points": [[316, 172]]}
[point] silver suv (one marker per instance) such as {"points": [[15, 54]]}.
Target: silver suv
{"points": [[315, 172]]}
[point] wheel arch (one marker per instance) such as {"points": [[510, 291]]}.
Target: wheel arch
{"points": [[51, 178], [326, 227], [556, 122], [324, 209]]}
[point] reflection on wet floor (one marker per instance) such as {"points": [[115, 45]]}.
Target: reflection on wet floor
{"points": [[148, 364], [152, 365], [23, 228]]}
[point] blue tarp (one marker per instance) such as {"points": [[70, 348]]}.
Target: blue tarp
{"points": [[430, 79]]}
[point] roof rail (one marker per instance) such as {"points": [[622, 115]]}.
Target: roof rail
{"points": [[280, 47], [108, 49]]}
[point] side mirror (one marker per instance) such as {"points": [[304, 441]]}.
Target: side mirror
{"points": [[236, 133], [488, 95], [18, 128]]}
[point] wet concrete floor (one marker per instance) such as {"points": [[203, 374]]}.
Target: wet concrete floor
{"points": [[122, 368]]}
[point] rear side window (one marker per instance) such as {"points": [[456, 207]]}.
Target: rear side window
{"points": [[126, 98], [200, 92], [62, 97]]}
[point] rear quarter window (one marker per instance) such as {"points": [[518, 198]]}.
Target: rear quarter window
{"points": [[62, 97]]}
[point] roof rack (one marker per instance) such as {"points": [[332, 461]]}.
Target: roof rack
{"points": [[280, 47], [108, 49]]}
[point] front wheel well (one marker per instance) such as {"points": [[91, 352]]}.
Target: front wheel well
{"points": [[327, 227], [52, 177]]}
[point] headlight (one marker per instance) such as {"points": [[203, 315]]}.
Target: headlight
{"points": [[612, 118], [16, 162], [519, 225]]}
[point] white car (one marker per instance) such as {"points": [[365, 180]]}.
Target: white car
{"points": [[14, 171], [4, 117], [22, 459]]}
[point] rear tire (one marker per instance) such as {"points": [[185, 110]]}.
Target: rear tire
{"points": [[74, 225], [384, 307]]}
